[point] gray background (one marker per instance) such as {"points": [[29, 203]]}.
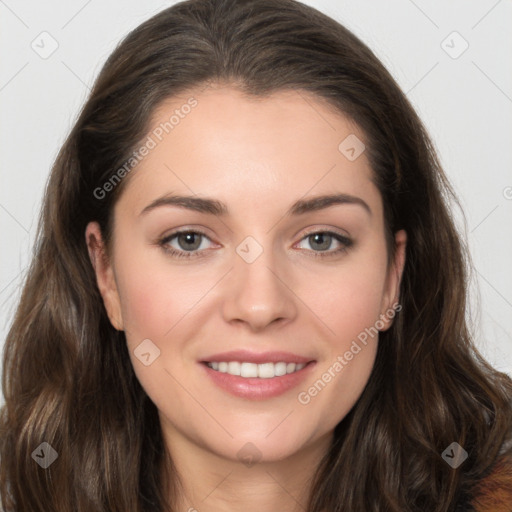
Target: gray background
{"points": [[463, 97]]}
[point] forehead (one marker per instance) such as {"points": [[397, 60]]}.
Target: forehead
{"points": [[221, 142], [225, 115]]}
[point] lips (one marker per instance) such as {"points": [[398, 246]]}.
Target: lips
{"points": [[257, 388]]}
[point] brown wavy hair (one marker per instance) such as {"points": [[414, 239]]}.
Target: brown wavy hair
{"points": [[67, 376]]}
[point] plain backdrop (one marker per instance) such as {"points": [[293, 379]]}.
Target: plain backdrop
{"points": [[453, 60]]}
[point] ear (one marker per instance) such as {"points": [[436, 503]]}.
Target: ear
{"points": [[104, 274], [391, 296]]}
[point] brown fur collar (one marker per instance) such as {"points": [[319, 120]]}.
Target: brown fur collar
{"points": [[494, 493]]}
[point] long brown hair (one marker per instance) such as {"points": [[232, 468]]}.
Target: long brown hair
{"points": [[67, 376]]}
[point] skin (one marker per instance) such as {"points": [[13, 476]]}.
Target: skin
{"points": [[258, 157]]}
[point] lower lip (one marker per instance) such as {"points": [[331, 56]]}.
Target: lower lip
{"points": [[254, 388]]}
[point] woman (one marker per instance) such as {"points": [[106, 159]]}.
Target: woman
{"points": [[183, 343]]}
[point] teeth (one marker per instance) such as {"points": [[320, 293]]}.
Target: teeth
{"points": [[233, 368], [249, 370], [263, 371]]}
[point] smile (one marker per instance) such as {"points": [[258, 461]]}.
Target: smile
{"points": [[257, 381]]}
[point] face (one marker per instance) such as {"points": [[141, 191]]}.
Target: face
{"points": [[253, 261]]}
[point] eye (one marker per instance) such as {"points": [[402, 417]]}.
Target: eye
{"points": [[321, 241], [186, 243]]}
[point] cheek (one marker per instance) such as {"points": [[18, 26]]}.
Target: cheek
{"points": [[351, 315], [349, 297], [154, 294], [158, 302], [355, 305], [349, 301]]}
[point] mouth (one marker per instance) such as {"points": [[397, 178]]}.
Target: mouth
{"points": [[260, 380]]}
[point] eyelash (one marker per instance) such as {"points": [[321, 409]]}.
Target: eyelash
{"points": [[346, 244]]}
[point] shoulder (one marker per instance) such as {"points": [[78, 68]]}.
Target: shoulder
{"points": [[494, 492]]}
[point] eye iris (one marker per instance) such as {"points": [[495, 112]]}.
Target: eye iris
{"points": [[189, 238], [323, 239]]}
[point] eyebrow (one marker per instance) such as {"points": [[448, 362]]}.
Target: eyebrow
{"points": [[215, 207]]}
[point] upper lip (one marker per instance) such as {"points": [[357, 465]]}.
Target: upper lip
{"points": [[256, 358]]}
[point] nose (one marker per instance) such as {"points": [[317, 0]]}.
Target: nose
{"points": [[259, 293]]}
